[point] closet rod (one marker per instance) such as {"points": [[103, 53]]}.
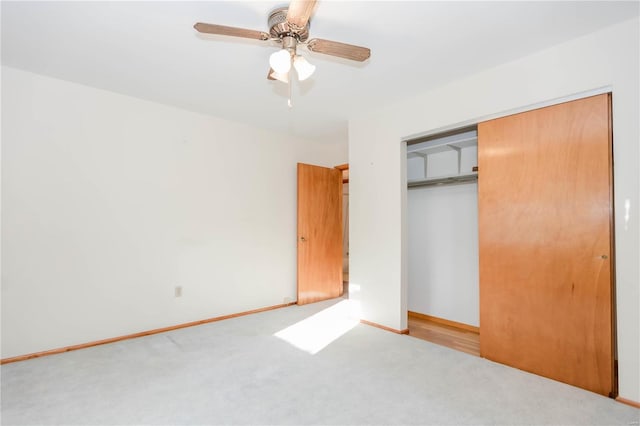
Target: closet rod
{"points": [[445, 180]]}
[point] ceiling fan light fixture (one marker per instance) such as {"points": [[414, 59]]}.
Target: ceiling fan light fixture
{"points": [[283, 77], [303, 67], [280, 61], [289, 26]]}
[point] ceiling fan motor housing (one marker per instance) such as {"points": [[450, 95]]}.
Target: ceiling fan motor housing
{"points": [[280, 28]]}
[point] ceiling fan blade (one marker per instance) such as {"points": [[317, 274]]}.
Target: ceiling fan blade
{"points": [[342, 50], [299, 12], [230, 31]]}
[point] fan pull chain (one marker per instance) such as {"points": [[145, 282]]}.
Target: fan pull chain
{"points": [[289, 103]]}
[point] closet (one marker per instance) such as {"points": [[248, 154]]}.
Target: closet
{"points": [[544, 240], [442, 206]]}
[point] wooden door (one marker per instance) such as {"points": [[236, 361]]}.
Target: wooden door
{"points": [[545, 232], [319, 233]]}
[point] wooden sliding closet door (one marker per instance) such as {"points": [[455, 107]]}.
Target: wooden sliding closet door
{"points": [[545, 231]]}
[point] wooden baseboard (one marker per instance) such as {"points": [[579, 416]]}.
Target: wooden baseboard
{"points": [[140, 334], [383, 327], [445, 322], [628, 402]]}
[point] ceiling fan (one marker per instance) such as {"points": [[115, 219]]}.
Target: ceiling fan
{"points": [[289, 26]]}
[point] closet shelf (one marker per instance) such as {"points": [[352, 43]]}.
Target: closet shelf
{"points": [[443, 180], [427, 150], [454, 142]]}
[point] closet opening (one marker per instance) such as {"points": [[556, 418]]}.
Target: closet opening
{"points": [[442, 217]]}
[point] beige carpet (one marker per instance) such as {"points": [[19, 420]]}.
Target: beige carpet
{"points": [[313, 364]]}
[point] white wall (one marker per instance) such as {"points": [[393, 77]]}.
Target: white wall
{"points": [[609, 57], [109, 202], [443, 252]]}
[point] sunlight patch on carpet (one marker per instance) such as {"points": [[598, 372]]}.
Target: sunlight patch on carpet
{"points": [[318, 331]]}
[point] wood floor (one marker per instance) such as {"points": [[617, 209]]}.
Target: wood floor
{"points": [[435, 331]]}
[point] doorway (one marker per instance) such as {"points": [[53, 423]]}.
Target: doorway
{"points": [[319, 239], [344, 168]]}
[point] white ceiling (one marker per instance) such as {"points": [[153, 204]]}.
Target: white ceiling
{"points": [[151, 51]]}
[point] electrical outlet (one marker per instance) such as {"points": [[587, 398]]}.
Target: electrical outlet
{"points": [[178, 291]]}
